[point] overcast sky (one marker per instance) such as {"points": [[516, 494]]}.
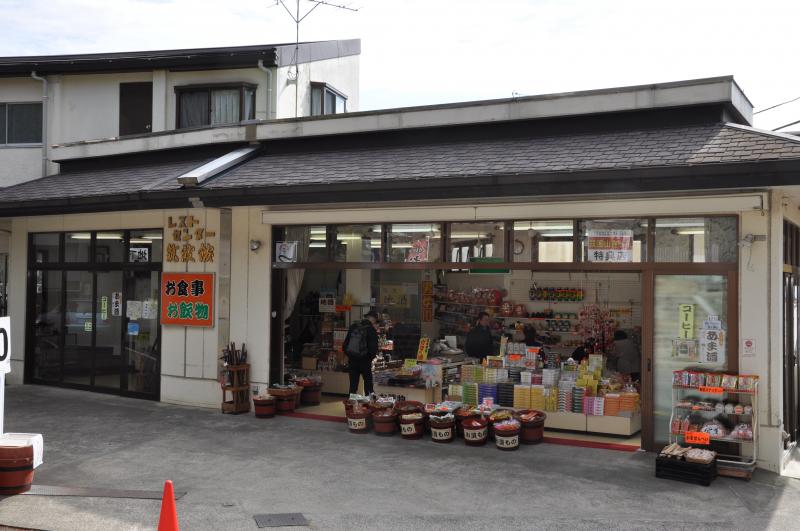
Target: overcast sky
{"points": [[417, 52]]}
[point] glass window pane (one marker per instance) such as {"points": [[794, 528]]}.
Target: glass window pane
{"points": [[76, 246], [45, 247], [249, 104], [146, 246], [330, 102], [2, 123], [193, 109], [358, 243], [25, 123], [415, 242], [477, 240], [341, 104], [614, 240], [543, 241], [225, 106], [312, 243], [696, 239], [708, 296], [47, 325], [316, 101], [110, 247], [78, 333], [108, 348]]}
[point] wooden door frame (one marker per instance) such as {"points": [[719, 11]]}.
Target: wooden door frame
{"points": [[648, 338]]}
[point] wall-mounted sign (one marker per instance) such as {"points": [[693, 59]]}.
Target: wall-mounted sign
{"points": [[686, 321], [184, 231], [748, 348], [327, 302], [418, 251], [609, 245], [427, 301], [104, 308], [187, 299], [286, 252]]}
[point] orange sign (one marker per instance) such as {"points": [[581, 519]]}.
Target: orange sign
{"points": [[187, 299], [697, 437], [711, 390], [427, 301]]}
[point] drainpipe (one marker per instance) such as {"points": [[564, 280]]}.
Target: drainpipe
{"points": [[269, 87], [44, 120]]}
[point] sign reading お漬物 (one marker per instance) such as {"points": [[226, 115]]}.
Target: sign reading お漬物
{"points": [[187, 299]]}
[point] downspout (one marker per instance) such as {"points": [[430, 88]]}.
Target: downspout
{"points": [[269, 87], [44, 120]]}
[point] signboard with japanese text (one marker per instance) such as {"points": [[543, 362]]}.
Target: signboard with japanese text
{"points": [[427, 301], [686, 321], [186, 241], [712, 346], [286, 252], [187, 299], [609, 245]]}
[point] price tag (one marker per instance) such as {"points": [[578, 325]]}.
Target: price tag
{"points": [[697, 437], [710, 390], [409, 363]]}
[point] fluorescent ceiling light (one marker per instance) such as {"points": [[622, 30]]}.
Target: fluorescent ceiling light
{"points": [[317, 230], [688, 232], [401, 246], [80, 236], [141, 241], [556, 234], [316, 245], [100, 236], [672, 223], [152, 237], [414, 227], [469, 235], [542, 225]]}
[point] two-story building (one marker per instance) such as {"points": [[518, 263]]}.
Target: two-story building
{"points": [[655, 210]]}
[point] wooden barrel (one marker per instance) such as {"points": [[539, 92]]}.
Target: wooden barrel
{"points": [[16, 469]]}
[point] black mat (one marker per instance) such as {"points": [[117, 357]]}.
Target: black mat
{"points": [[280, 520]]}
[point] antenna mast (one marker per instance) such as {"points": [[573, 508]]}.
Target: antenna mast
{"points": [[297, 20]]}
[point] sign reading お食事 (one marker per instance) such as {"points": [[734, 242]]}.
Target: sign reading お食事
{"points": [[187, 299]]}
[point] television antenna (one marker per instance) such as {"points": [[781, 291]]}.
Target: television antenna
{"points": [[298, 18]]}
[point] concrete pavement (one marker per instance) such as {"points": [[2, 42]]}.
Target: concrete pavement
{"points": [[233, 467]]}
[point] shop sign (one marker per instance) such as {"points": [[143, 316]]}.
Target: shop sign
{"points": [[506, 442], [748, 348], [394, 295], [686, 321], [441, 434], [711, 390], [187, 299], [104, 308], [427, 301], [712, 346], [286, 252], [609, 245], [475, 435], [409, 363], [697, 437], [418, 251], [116, 304], [183, 230]]}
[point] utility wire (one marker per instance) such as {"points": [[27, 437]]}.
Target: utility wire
{"points": [[778, 105], [787, 125]]}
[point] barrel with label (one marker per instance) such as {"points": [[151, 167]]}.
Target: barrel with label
{"points": [[442, 431], [476, 431], [506, 435], [412, 426], [16, 469]]}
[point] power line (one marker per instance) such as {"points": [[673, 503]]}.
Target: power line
{"points": [[778, 105], [787, 125]]}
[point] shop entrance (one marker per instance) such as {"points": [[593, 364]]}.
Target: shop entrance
{"points": [[93, 311]]}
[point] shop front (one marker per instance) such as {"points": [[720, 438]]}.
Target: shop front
{"points": [[606, 290]]}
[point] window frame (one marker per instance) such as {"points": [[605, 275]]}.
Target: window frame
{"points": [[209, 88], [324, 87], [4, 105]]}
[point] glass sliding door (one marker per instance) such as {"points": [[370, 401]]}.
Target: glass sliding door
{"points": [[683, 306], [47, 324], [78, 324], [142, 356], [108, 331]]}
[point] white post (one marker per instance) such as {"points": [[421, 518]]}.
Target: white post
{"points": [[2, 400]]}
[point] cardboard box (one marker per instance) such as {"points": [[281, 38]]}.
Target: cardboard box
{"points": [[309, 364]]}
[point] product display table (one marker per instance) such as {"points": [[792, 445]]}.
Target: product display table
{"points": [[565, 420], [419, 394]]}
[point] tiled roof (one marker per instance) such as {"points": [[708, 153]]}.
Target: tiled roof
{"points": [[109, 182], [680, 146], [686, 146]]}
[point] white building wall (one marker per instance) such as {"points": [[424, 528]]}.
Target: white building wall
{"points": [[341, 73], [20, 164]]}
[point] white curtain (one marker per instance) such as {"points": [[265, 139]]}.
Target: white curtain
{"points": [[294, 281], [225, 105]]}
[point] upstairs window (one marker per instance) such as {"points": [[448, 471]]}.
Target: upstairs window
{"points": [[326, 100], [215, 104], [20, 123]]}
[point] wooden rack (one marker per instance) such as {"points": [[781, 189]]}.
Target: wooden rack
{"points": [[236, 381]]}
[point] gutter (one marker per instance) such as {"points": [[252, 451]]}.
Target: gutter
{"points": [[45, 99], [270, 115]]}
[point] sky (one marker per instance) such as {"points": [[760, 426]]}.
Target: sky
{"points": [[419, 52]]}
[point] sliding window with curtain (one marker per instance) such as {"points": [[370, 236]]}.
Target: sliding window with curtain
{"points": [[225, 106]]}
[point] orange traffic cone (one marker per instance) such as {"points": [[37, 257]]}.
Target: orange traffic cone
{"points": [[168, 521]]}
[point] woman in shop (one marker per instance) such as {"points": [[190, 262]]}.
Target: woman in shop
{"points": [[361, 347], [627, 354], [479, 342]]}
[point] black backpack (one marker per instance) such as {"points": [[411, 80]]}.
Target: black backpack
{"points": [[357, 344]]}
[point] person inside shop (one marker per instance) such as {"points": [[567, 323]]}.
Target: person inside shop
{"points": [[583, 351], [479, 342], [627, 354], [531, 336], [361, 347]]}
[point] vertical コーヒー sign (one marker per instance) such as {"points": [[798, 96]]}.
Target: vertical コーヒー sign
{"points": [[187, 299]]}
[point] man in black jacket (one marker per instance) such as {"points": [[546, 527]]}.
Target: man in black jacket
{"points": [[479, 342], [361, 347]]}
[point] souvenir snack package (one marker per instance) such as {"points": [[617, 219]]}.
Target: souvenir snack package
{"points": [[729, 382], [697, 379], [714, 379], [747, 382], [714, 429], [743, 431]]}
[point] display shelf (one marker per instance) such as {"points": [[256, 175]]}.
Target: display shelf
{"points": [[465, 304], [236, 381], [565, 420], [745, 461]]}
